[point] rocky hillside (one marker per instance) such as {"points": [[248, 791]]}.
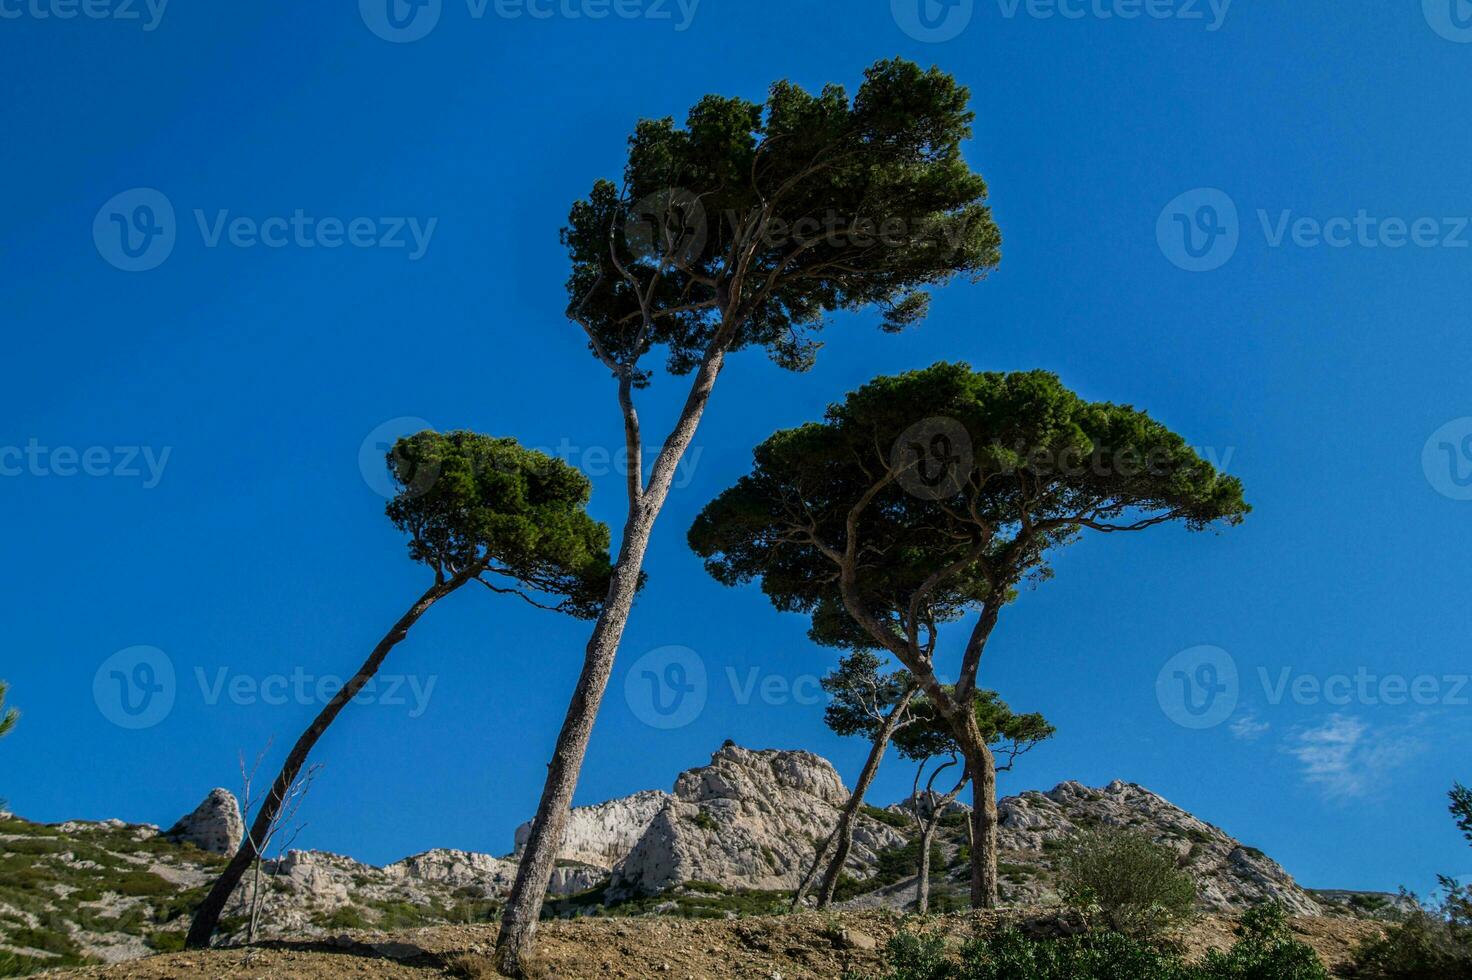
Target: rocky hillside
{"points": [[732, 838]]}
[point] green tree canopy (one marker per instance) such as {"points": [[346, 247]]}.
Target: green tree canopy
{"points": [[1461, 808], [862, 694], [8, 717], [935, 492], [517, 517], [750, 223], [930, 495], [1011, 735]]}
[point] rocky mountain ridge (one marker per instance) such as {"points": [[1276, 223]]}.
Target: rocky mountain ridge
{"points": [[731, 837]]}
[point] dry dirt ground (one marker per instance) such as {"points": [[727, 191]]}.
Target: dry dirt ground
{"points": [[795, 947]]}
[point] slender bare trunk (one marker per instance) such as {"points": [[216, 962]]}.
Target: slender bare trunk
{"points": [[207, 916], [524, 905], [810, 877], [843, 836], [922, 882]]}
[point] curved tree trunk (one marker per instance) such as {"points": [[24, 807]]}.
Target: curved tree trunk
{"points": [[534, 874], [207, 916], [843, 835]]}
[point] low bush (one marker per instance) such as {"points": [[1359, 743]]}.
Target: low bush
{"points": [[1425, 946], [1265, 951], [1124, 878]]}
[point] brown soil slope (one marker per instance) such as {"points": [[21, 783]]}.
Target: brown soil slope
{"points": [[795, 947]]}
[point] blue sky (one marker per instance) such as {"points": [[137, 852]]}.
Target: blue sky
{"points": [[228, 391]]}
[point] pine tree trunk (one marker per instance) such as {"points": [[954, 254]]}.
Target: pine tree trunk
{"points": [[207, 916], [820, 863], [922, 882], [843, 836], [533, 875], [984, 840]]}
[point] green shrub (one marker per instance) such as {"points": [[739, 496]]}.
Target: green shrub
{"points": [[1265, 951], [890, 819], [1127, 879], [1425, 946]]}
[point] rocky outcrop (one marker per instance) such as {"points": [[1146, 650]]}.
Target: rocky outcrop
{"points": [[748, 820], [1230, 874], [603, 835], [214, 826]]}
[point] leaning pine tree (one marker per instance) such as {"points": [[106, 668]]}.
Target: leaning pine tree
{"points": [[935, 495], [863, 700], [747, 227], [476, 509]]}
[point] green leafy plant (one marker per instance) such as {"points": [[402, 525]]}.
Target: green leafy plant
{"points": [[8, 716], [1126, 880], [1265, 950]]}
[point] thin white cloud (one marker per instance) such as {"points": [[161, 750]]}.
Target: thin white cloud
{"points": [[1347, 758], [1249, 728]]}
